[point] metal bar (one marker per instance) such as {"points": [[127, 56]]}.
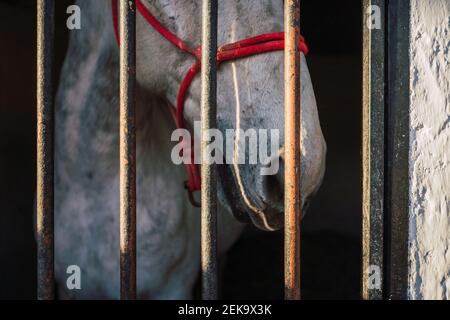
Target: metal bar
{"points": [[45, 164], [208, 169], [292, 200], [127, 150], [373, 148], [397, 156]]}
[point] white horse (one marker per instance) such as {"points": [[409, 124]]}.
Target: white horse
{"points": [[250, 94]]}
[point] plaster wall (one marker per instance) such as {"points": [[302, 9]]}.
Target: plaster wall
{"points": [[429, 247]]}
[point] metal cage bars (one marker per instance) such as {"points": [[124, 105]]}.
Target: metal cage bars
{"points": [[208, 169], [292, 121], [45, 161], [386, 76], [127, 150], [373, 150], [45, 120]]}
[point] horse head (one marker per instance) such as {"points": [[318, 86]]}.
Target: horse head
{"points": [[250, 97]]}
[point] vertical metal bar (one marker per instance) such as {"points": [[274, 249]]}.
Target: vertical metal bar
{"points": [[45, 121], [292, 201], [127, 150], [208, 169], [374, 92], [397, 171]]}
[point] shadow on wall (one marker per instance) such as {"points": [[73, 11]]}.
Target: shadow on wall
{"points": [[254, 267]]}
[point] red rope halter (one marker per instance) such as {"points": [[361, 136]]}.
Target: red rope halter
{"points": [[263, 43]]}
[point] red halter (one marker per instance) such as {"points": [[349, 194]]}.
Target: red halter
{"points": [[263, 43]]}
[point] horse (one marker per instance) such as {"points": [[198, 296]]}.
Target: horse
{"points": [[249, 95]]}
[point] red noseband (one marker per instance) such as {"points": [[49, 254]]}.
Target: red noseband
{"points": [[263, 43]]}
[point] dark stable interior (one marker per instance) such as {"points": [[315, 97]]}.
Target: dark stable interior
{"points": [[253, 268]]}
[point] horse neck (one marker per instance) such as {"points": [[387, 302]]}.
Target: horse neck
{"points": [[87, 101]]}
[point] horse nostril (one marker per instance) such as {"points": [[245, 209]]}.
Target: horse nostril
{"points": [[306, 204], [273, 186]]}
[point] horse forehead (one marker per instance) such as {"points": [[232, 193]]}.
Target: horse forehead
{"points": [[189, 9], [237, 19]]}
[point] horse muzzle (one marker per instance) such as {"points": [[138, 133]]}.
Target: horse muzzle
{"points": [[265, 212]]}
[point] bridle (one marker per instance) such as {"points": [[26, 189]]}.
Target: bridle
{"points": [[263, 43]]}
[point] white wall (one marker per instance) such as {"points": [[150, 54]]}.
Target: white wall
{"points": [[429, 251]]}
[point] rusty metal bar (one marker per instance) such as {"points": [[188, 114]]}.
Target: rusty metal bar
{"points": [[373, 150], [45, 164], [397, 121], [292, 200], [127, 150], [208, 169]]}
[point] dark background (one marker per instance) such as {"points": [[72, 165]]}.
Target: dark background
{"points": [[331, 237]]}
